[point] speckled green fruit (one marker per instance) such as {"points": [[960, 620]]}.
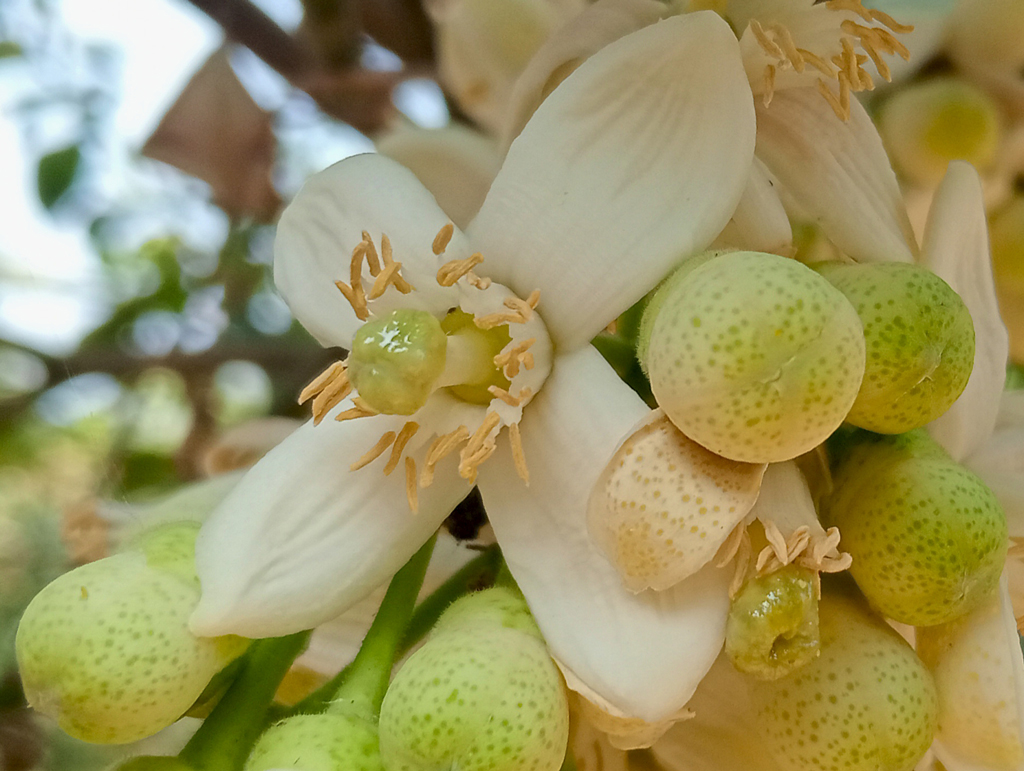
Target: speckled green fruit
{"points": [[754, 356], [105, 649], [773, 624], [920, 343], [867, 703], [928, 538], [326, 742], [480, 696]]}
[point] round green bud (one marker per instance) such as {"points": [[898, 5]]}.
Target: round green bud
{"points": [[480, 695], [866, 703], [396, 360], [105, 649], [920, 343], [154, 763], [927, 537], [926, 125], [326, 742], [772, 628], [754, 356]]}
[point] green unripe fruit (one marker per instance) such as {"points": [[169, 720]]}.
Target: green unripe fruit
{"points": [[754, 356], [927, 537], [106, 650], [927, 125], [773, 624], [920, 343], [154, 763], [395, 360], [327, 742], [480, 696], [867, 703], [494, 607]]}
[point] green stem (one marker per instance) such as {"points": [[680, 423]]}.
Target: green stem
{"points": [[475, 574], [368, 675], [225, 738]]}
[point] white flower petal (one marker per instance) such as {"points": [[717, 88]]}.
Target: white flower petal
{"points": [[979, 676], [456, 164], [760, 222], [956, 249], [324, 223], [301, 537], [786, 501], [837, 173], [643, 654], [625, 170], [600, 24], [664, 505], [1000, 465], [722, 736]]}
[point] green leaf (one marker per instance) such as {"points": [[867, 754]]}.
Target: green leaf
{"points": [[56, 173]]}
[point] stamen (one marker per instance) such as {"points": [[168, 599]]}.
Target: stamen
{"points": [[817, 62], [834, 102], [439, 448], [371, 254], [390, 275], [505, 396], [743, 555], [330, 388], [768, 45], [442, 239], [360, 410], [769, 84], [453, 270], [410, 485], [883, 18], [784, 38], [374, 452], [355, 299], [407, 432], [519, 312], [478, 448], [474, 280], [776, 540], [510, 360], [321, 380], [518, 456]]}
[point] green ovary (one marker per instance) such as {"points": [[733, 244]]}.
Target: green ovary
{"points": [[773, 624]]}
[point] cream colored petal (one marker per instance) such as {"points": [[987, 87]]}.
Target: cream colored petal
{"points": [[979, 676], [723, 734], [302, 537], [456, 164], [760, 222], [838, 173], [600, 24], [324, 223], [627, 733], [956, 248], [785, 500], [625, 170], [664, 505], [643, 654]]}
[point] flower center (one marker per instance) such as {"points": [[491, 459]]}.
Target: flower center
{"points": [[838, 56], [483, 352]]}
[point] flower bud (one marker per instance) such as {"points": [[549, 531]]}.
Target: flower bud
{"points": [[396, 360], [106, 650], [480, 695], [754, 356], [920, 343], [325, 742]]}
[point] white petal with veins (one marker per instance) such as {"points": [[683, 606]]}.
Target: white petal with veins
{"points": [[624, 171], [760, 222], [643, 654], [956, 248]]}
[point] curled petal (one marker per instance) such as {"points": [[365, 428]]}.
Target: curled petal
{"points": [[760, 222]]}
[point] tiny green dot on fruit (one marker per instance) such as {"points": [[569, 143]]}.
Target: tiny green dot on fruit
{"points": [[867, 703], [927, 537], [478, 696], [105, 649], [754, 356], [325, 742], [920, 343]]}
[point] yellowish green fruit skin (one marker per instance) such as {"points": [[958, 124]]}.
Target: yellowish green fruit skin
{"points": [[926, 125], [154, 763], [927, 537], [754, 356], [772, 628], [481, 694], [327, 742], [920, 343], [867, 703], [105, 649]]}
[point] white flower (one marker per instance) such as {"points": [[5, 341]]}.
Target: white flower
{"points": [[636, 162]]}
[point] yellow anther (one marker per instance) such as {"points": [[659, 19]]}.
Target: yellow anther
{"points": [[355, 298], [410, 485], [511, 359], [453, 270], [769, 84], [477, 281], [321, 380], [842, 111], [407, 432], [329, 388], [820, 64], [390, 275], [768, 45], [439, 448], [479, 447], [374, 452], [360, 410], [883, 18], [784, 38], [443, 237], [371, 254], [518, 456]]}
